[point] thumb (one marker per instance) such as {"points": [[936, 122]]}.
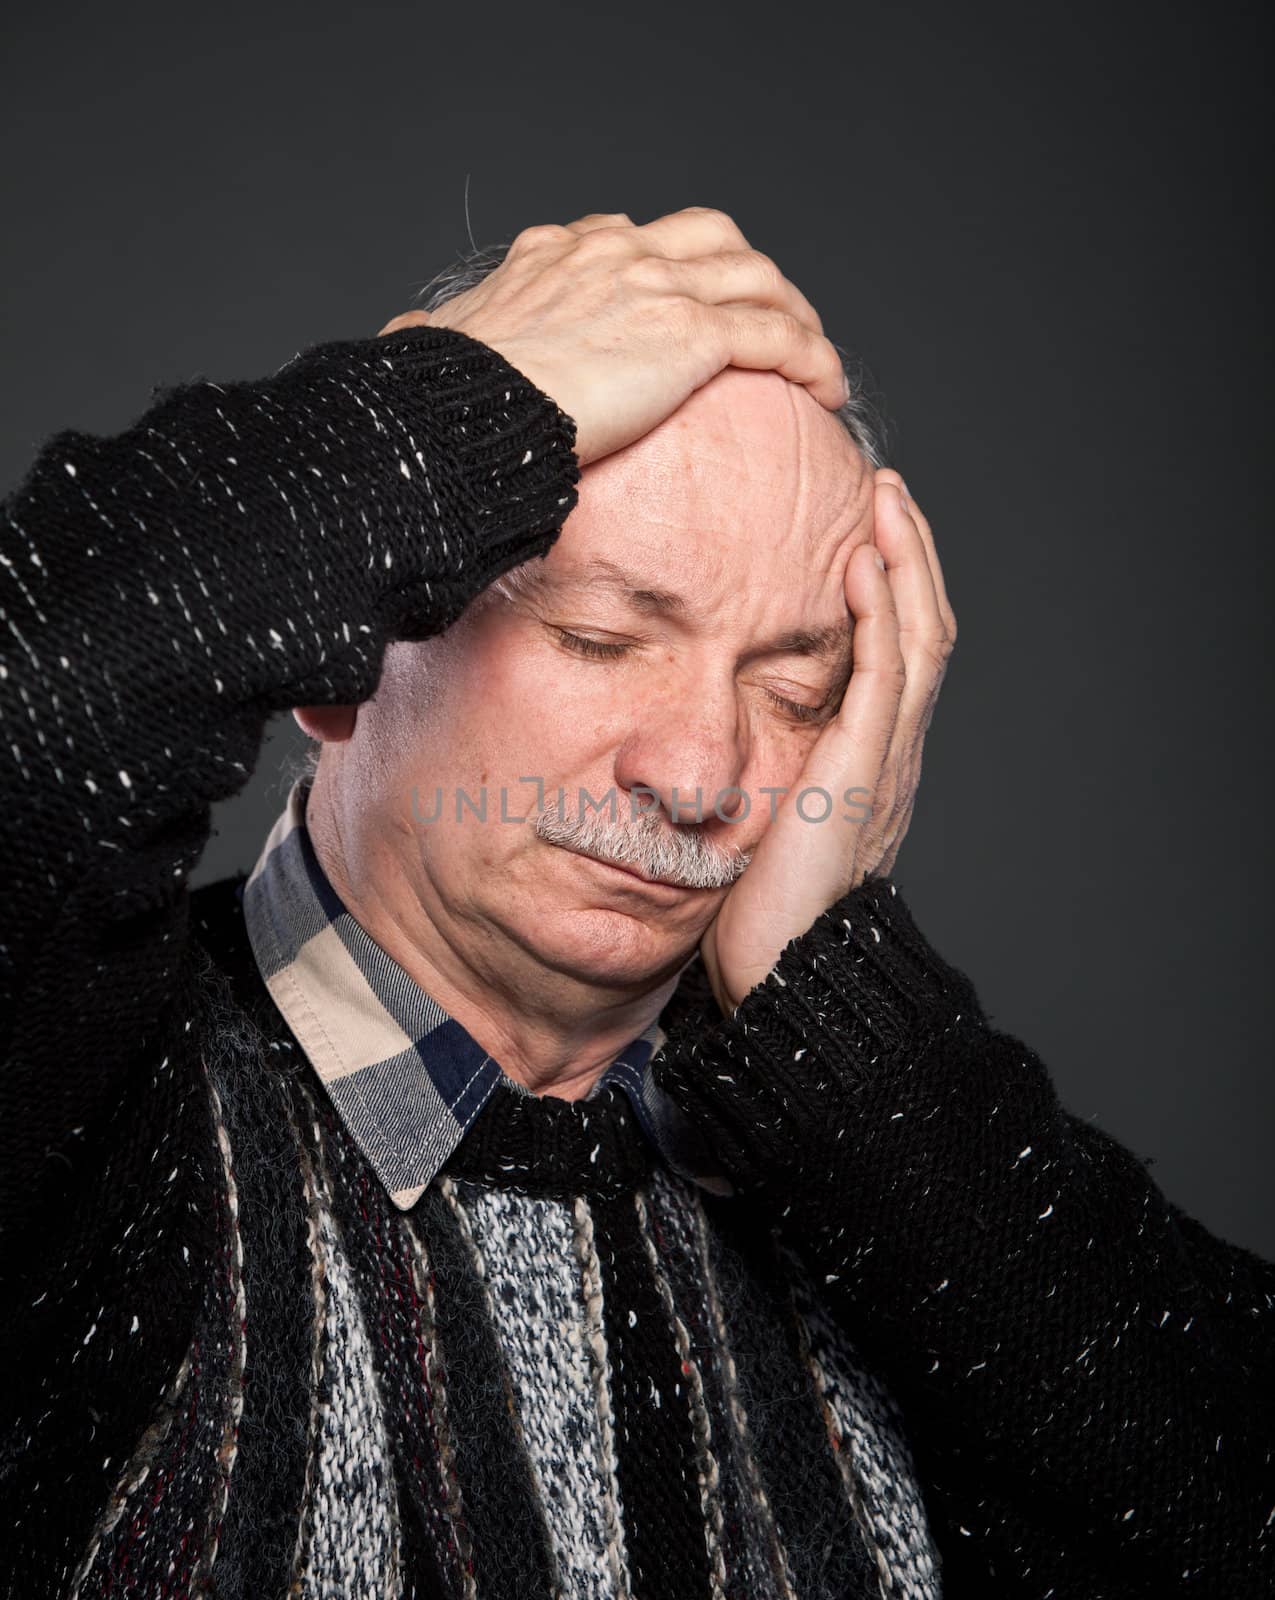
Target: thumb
{"points": [[405, 319]]}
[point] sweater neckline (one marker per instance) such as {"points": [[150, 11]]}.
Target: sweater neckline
{"points": [[551, 1148]]}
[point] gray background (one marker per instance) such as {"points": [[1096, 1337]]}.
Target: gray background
{"points": [[1042, 228]]}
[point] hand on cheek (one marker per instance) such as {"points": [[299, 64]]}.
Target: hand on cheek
{"points": [[811, 856]]}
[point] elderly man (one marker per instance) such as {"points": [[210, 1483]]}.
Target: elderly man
{"points": [[561, 1167]]}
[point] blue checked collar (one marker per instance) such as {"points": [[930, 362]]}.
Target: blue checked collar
{"points": [[405, 1077]]}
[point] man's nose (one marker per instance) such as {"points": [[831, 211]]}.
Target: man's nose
{"points": [[689, 750]]}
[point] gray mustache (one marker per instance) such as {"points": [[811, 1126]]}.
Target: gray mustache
{"points": [[675, 855]]}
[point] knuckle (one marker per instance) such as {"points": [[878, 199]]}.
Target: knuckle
{"points": [[765, 268], [724, 224], [654, 273], [677, 319], [538, 235], [602, 241], [781, 335], [686, 306], [687, 317]]}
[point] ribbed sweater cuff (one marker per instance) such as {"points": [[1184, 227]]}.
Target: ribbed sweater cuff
{"points": [[859, 993], [510, 446], [867, 956]]}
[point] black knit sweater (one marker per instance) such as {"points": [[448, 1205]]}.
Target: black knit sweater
{"points": [[1085, 1373]]}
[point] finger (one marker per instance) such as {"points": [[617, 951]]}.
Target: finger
{"points": [[936, 566], [765, 340], [741, 277], [922, 634], [405, 319], [890, 854], [695, 231], [600, 219], [852, 750], [888, 475]]}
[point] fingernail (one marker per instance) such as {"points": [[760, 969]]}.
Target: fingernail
{"points": [[903, 495], [880, 561]]}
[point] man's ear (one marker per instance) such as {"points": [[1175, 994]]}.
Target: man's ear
{"points": [[331, 724]]}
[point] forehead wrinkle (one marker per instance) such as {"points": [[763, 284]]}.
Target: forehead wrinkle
{"points": [[599, 573], [831, 642], [604, 574]]}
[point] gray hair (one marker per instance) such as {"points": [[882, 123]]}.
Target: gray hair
{"points": [[862, 416], [301, 764]]}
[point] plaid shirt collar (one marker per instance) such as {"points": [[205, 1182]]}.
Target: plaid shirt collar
{"points": [[405, 1077]]}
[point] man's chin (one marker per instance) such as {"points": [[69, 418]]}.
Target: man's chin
{"points": [[608, 944]]}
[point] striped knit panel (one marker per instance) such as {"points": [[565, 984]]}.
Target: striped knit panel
{"points": [[869, 1439], [352, 1542], [285, 1304], [666, 1470], [511, 1555], [827, 1556], [756, 1566], [158, 1534], [312, 1430], [387, 1281], [526, 1249]]}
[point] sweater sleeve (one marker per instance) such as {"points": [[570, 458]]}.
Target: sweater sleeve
{"points": [[240, 550], [1088, 1374]]}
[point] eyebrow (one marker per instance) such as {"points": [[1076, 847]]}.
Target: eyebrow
{"points": [[831, 642]]}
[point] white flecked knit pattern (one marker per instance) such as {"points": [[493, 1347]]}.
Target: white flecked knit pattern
{"points": [[234, 1410], [765, 1560], [533, 1272], [134, 1476], [353, 1534], [866, 1431]]}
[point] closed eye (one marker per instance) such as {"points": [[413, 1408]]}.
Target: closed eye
{"points": [[599, 650], [590, 647]]}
